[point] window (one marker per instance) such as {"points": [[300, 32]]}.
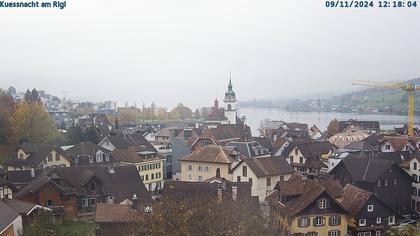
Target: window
{"points": [[76, 160], [147, 177], [291, 159], [379, 183], [322, 204], [281, 178], [418, 194], [268, 181], [378, 220], [250, 180], [377, 233], [370, 208], [363, 234], [303, 222], [50, 203], [301, 159], [206, 169], [238, 178], [21, 156], [386, 182], [362, 222], [414, 177], [92, 201], [415, 165], [312, 234], [107, 142], [387, 147], [244, 171], [395, 181], [319, 221], [57, 156], [391, 220], [92, 187], [335, 220], [296, 151], [107, 157], [190, 168], [153, 176], [85, 202], [142, 177], [200, 178], [334, 233], [50, 157], [90, 159], [414, 191], [200, 168]]}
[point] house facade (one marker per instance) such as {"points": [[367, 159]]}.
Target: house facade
{"points": [[307, 207], [412, 167], [384, 178], [38, 156], [263, 173], [208, 162]]}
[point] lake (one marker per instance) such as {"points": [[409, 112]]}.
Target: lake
{"points": [[320, 119]]}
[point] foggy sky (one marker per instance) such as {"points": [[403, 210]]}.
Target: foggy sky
{"points": [[182, 50]]}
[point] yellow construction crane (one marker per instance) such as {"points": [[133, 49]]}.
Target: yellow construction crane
{"points": [[408, 87]]}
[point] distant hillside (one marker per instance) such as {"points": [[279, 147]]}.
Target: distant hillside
{"points": [[375, 100], [370, 100]]}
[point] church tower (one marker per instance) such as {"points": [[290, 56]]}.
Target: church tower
{"points": [[230, 104]]}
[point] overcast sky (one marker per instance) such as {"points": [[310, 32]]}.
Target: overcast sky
{"points": [[182, 50]]}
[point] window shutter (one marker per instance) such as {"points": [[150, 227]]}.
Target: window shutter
{"points": [[330, 222], [338, 231], [300, 222], [329, 233], [339, 223], [314, 221], [323, 221]]}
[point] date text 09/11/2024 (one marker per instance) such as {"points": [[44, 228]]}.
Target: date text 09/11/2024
{"points": [[370, 4]]}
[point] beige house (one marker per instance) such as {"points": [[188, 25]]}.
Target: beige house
{"points": [[35, 156], [263, 173], [208, 162], [150, 167]]}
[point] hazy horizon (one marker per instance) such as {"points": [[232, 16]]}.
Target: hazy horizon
{"points": [[169, 52]]}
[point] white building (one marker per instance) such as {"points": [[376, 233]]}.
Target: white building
{"points": [[230, 104], [263, 173], [413, 168]]}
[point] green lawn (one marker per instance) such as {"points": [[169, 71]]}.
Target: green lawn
{"points": [[75, 229]]}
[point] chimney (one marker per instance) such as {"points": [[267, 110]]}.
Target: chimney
{"points": [[135, 201], [32, 173], [234, 193], [218, 173]]}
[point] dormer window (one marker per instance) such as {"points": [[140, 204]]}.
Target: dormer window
{"points": [[296, 151], [322, 203], [99, 157], [370, 208], [388, 147], [92, 187], [21, 156]]}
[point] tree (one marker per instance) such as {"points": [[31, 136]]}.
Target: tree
{"points": [[8, 107], [32, 96], [84, 108], [333, 128], [76, 134], [183, 111], [127, 116], [202, 217], [407, 230], [30, 122]]}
